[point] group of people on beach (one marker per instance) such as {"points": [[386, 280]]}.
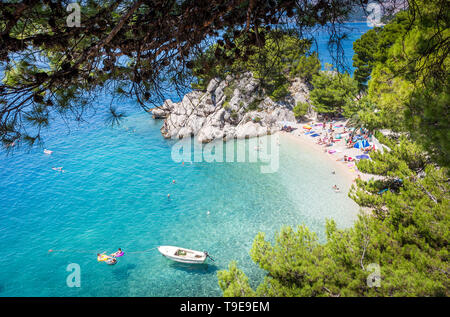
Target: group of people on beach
{"points": [[363, 134], [286, 128], [330, 138], [352, 135]]}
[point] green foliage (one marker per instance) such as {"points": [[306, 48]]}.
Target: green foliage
{"points": [[254, 104], [410, 82], [428, 119], [234, 283], [373, 46], [362, 113], [279, 90], [332, 92], [307, 67], [201, 84], [229, 90], [364, 59], [391, 33], [300, 109]]}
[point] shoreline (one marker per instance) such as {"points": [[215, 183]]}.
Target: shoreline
{"points": [[346, 169], [340, 169]]}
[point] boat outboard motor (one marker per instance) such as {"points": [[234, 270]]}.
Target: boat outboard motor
{"points": [[208, 256]]}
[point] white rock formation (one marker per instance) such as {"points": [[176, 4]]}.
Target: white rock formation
{"points": [[230, 108]]}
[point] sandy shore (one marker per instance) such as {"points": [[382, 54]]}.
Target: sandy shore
{"points": [[345, 169]]}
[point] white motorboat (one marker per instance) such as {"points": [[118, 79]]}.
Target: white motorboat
{"points": [[183, 255]]}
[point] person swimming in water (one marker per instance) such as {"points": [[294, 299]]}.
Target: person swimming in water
{"points": [[102, 257], [117, 253], [111, 261]]}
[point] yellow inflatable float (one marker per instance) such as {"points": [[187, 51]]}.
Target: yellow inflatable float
{"points": [[102, 257]]}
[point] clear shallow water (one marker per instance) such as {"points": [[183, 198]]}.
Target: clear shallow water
{"points": [[114, 194]]}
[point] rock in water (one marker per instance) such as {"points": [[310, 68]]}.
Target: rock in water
{"points": [[231, 108]]}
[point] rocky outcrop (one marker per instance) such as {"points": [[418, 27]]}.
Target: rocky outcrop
{"points": [[232, 108]]}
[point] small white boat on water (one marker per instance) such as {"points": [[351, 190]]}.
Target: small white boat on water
{"points": [[47, 152], [183, 255]]}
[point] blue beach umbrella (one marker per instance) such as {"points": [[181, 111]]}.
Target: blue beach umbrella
{"points": [[361, 144]]}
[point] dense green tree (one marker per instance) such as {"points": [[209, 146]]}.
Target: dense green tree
{"points": [[234, 282], [306, 67], [364, 58], [373, 46], [410, 81], [332, 92], [390, 33], [300, 109], [363, 113]]}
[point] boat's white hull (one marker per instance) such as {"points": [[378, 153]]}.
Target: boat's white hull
{"points": [[190, 256]]}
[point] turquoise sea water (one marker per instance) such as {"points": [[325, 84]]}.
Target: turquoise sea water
{"points": [[113, 194], [353, 31]]}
